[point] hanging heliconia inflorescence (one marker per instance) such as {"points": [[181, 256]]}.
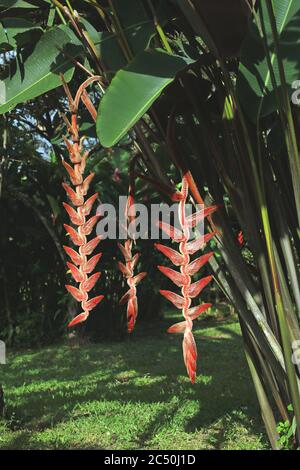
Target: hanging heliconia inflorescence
{"points": [[130, 297], [183, 278], [81, 266]]}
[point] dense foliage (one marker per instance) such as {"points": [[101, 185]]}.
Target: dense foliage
{"points": [[184, 92]]}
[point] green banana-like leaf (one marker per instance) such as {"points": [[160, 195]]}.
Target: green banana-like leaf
{"points": [[138, 36], [16, 4], [16, 32], [254, 84], [40, 71], [138, 28], [133, 90]]}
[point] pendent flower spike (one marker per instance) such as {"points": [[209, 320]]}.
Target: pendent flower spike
{"points": [[81, 266], [127, 269], [183, 278]]}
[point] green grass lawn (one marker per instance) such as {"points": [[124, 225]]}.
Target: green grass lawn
{"points": [[133, 394]]}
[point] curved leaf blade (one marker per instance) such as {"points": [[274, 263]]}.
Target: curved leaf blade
{"points": [[16, 32], [254, 85], [40, 72], [132, 92], [10, 4]]}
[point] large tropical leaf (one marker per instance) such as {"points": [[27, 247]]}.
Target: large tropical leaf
{"points": [[16, 32], [132, 91], [40, 71], [138, 33], [138, 28], [17, 4], [254, 83], [221, 24], [138, 36]]}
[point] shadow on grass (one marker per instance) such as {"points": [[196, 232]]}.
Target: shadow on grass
{"points": [[57, 384]]}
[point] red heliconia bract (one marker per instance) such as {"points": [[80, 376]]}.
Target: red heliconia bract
{"points": [[183, 279], [81, 266], [127, 269], [240, 238]]}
